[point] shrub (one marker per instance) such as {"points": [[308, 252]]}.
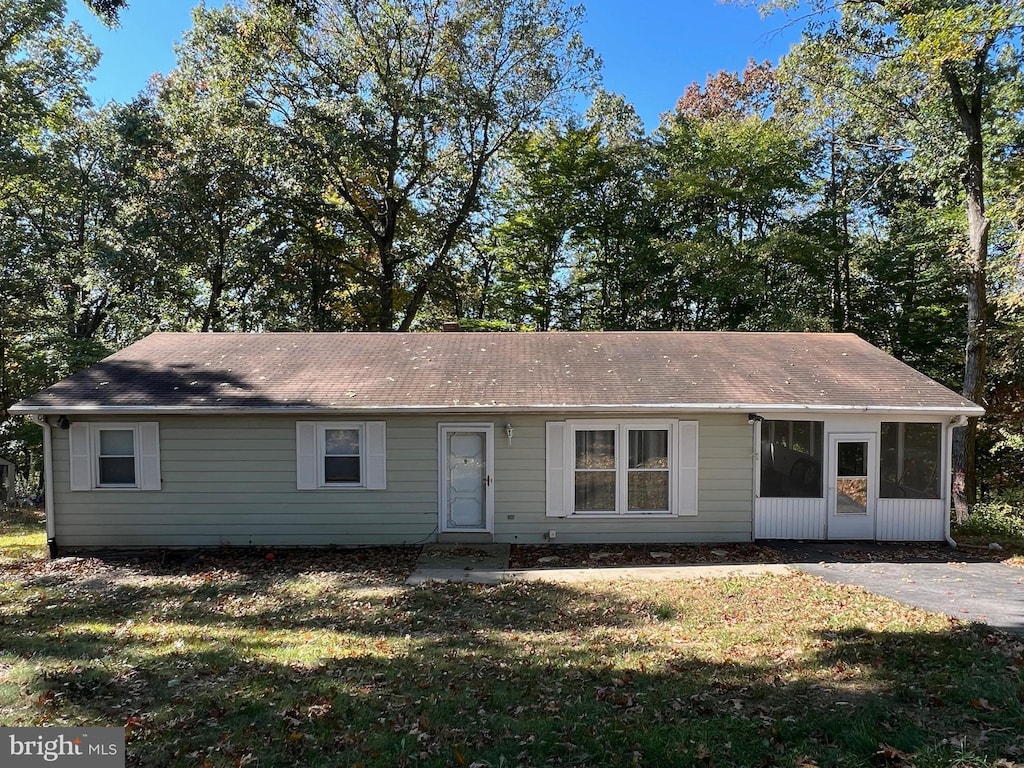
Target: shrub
{"points": [[1001, 518]]}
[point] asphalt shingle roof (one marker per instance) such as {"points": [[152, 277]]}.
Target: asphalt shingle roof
{"points": [[473, 371]]}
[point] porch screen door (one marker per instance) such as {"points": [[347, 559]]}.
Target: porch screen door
{"points": [[852, 493]]}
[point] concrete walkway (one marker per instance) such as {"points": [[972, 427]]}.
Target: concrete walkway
{"points": [[986, 592], [489, 564]]}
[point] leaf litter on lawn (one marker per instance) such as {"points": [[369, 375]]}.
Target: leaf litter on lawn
{"points": [[329, 659]]}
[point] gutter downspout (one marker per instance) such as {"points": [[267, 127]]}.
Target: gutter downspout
{"points": [[954, 423], [755, 480], [51, 526]]}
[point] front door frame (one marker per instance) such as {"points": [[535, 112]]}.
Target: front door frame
{"points": [[852, 527], [443, 430]]}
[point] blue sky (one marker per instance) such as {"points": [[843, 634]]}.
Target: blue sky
{"points": [[652, 49]]}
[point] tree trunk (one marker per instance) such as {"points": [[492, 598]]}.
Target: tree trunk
{"points": [[212, 318], [969, 110]]}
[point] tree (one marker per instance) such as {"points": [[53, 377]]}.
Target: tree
{"points": [[396, 110], [42, 66], [542, 205], [615, 238], [732, 193], [218, 211], [926, 73]]}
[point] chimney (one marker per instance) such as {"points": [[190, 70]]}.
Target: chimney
{"points": [[451, 327]]}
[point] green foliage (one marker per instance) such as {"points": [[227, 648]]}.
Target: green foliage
{"points": [[473, 325], [393, 115], [335, 165], [732, 191], [107, 11], [997, 520]]}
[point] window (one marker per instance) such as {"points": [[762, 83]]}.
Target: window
{"points": [[910, 460], [340, 455], [791, 459], [116, 456], [343, 455], [595, 471], [621, 468], [647, 471]]}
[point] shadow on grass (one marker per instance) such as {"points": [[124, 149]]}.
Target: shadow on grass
{"points": [[240, 672]]}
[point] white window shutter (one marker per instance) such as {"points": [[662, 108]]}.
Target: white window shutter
{"points": [[149, 456], [374, 438], [557, 474], [686, 464], [80, 448], [306, 456]]}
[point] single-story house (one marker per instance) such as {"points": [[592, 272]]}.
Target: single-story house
{"points": [[296, 439]]}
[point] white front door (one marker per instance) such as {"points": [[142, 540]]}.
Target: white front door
{"points": [[852, 492], [466, 478]]}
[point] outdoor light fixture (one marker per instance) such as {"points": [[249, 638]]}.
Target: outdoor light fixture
{"points": [[63, 422], [509, 431], [753, 418]]}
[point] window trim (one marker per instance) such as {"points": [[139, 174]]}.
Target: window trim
{"points": [[561, 466], [84, 453], [97, 446], [310, 453]]}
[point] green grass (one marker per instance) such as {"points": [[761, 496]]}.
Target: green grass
{"points": [[333, 663], [22, 537]]}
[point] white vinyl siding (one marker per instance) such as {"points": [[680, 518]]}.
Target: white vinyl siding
{"points": [[114, 456], [898, 518], [340, 455]]}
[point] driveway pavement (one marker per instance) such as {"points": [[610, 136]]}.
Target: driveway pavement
{"points": [[933, 578], [947, 582]]}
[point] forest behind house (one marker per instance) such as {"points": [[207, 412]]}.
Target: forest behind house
{"points": [[333, 165]]}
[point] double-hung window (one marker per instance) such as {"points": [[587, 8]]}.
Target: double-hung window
{"points": [[340, 455], [115, 456], [343, 454], [598, 468]]}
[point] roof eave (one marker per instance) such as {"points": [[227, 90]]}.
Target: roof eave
{"points": [[760, 408]]}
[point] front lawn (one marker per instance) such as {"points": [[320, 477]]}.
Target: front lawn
{"points": [[22, 535], [328, 659]]}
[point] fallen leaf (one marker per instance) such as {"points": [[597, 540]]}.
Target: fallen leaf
{"points": [[891, 756]]}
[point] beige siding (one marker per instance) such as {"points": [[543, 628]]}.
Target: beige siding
{"points": [[230, 480]]}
